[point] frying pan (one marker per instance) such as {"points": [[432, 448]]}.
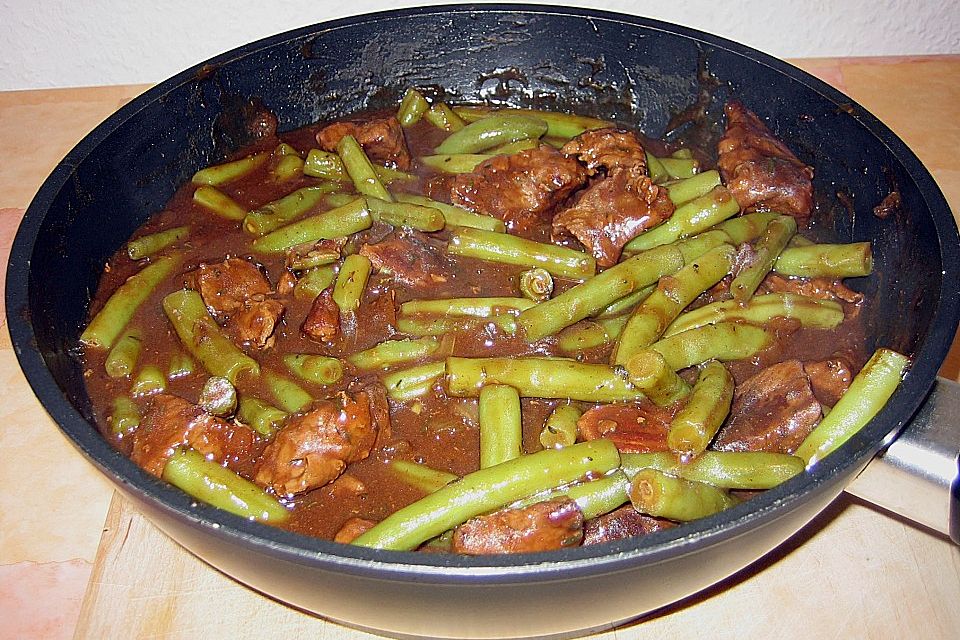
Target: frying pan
{"points": [[667, 80]]}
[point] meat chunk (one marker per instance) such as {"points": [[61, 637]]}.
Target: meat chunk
{"points": [[829, 379], [625, 522], [521, 189], [408, 258], [171, 422], [772, 411], [314, 448], [323, 319], [759, 170], [352, 529], [382, 139], [226, 286], [255, 323], [822, 288], [544, 526], [608, 149], [635, 427]]}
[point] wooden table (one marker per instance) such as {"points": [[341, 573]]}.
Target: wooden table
{"points": [[75, 559]]}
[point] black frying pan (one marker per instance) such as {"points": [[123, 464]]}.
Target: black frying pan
{"points": [[638, 72]]}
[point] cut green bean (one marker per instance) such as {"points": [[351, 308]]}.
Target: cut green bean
{"points": [[388, 175], [287, 163], [826, 260], [692, 429], [501, 433], [559, 125], [536, 284], [218, 397], [682, 153], [811, 312], [351, 282], [412, 107], [517, 146], [442, 325], [539, 378], [594, 295], [317, 369], [594, 498], [443, 117], [658, 174], [288, 394], [260, 416], [693, 217], [748, 470], [775, 237], [360, 169], [319, 255], [627, 303], [476, 307], [489, 489], [337, 223], [649, 372], [509, 249], [112, 319], [122, 359], [683, 191], [216, 201], [124, 415], [421, 476], [179, 365], [664, 496], [746, 228], [275, 214], [455, 162], [866, 396], [391, 353], [149, 381], [455, 216], [208, 482], [405, 214], [680, 168], [407, 384], [560, 429], [722, 341], [311, 283], [220, 174], [324, 164], [584, 335], [491, 131], [145, 246], [201, 336]]}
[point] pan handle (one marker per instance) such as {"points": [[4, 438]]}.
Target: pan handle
{"points": [[918, 475]]}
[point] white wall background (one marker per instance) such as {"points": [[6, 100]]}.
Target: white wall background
{"points": [[57, 43]]}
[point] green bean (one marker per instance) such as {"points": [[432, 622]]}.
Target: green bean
{"points": [[682, 153], [388, 175], [316, 256], [746, 228], [218, 396], [673, 294], [683, 191], [112, 319], [492, 131], [455, 216], [584, 335], [407, 384], [658, 174], [390, 353], [405, 214], [594, 497], [351, 282], [337, 223], [216, 201], [123, 357], [501, 434], [149, 381], [443, 117], [412, 107], [665, 496], [696, 245], [536, 284], [811, 312], [220, 174], [594, 295], [489, 489], [539, 378], [680, 168], [560, 429], [207, 481], [321, 370], [324, 164], [455, 162], [476, 307], [201, 336], [124, 416], [312, 283], [155, 242], [826, 260], [289, 164], [260, 416], [288, 394], [866, 396], [649, 372], [559, 125], [441, 325], [692, 429], [360, 169], [179, 365], [766, 250], [421, 476], [748, 470], [693, 217], [517, 146], [335, 200], [275, 214], [722, 341], [627, 303]]}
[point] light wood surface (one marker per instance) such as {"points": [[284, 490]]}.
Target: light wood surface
{"points": [[88, 565]]}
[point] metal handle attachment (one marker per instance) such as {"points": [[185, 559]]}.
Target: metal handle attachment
{"points": [[918, 475]]}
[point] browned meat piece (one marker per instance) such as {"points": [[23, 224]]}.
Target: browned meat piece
{"points": [[608, 149], [822, 288], [379, 410], [544, 526], [635, 427], [624, 522], [323, 319], [772, 411], [382, 139], [760, 170], [352, 529], [829, 379], [312, 449], [255, 323], [226, 286], [286, 283], [521, 189], [409, 259], [171, 422]]}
